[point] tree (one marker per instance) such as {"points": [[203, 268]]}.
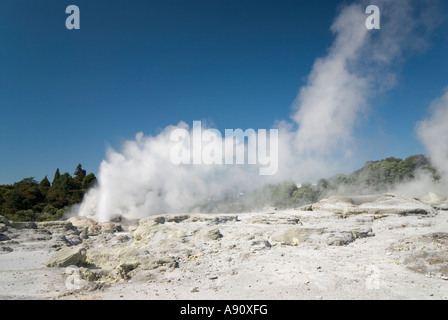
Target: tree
{"points": [[3, 190], [88, 181], [45, 183], [64, 183], [32, 200], [281, 193], [14, 201], [80, 173], [57, 199], [57, 175], [306, 194]]}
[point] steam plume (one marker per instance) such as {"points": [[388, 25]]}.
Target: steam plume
{"points": [[140, 180], [433, 132]]}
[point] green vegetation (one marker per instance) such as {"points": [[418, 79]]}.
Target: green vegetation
{"points": [[385, 174], [29, 200], [374, 177]]}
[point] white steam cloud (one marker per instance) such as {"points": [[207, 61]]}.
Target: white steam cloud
{"points": [[433, 132], [140, 180]]}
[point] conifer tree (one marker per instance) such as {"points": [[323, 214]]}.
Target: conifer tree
{"points": [[57, 176], [80, 173], [45, 183]]}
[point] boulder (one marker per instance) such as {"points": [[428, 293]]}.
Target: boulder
{"points": [[275, 219], [4, 237], [296, 236], [67, 256], [3, 227], [169, 262], [125, 268], [74, 240], [5, 221], [146, 226], [211, 234], [373, 204], [339, 238], [81, 222], [176, 217], [24, 225], [347, 235], [57, 224], [110, 227]]}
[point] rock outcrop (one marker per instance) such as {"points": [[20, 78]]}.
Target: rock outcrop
{"points": [[426, 254], [194, 249], [383, 204], [67, 257]]}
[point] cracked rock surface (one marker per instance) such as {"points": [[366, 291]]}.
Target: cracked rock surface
{"points": [[362, 247]]}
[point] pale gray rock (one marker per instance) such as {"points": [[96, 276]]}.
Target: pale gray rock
{"points": [[339, 239], [61, 240], [334, 235], [176, 218], [124, 269], [146, 226], [74, 240], [426, 254], [211, 234], [110, 227], [345, 236], [53, 224], [169, 262], [373, 204], [93, 228], [298, 235], [275, 220], [67, 256], [24, 225]]}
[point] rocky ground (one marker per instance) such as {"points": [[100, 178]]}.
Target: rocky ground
{"points": [[362, 247]]}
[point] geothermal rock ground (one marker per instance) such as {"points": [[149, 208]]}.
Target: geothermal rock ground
{"points": [[362, 247]]}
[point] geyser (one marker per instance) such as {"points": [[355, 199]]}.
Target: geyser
{"points": [[140, 179]]}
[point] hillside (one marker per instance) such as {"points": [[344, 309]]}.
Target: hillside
{"points": [[374, 177]]}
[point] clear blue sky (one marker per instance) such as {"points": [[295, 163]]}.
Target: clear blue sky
{"points": [[65, 95]]}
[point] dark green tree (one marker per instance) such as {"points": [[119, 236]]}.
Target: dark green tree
{"points": [[45, 183], [56, 199], [57, 176], [89, 181], [32, 200], [14, 201], [80, 173], [64, 183]]}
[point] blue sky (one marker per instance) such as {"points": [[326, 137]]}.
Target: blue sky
{"points": [[65, 95]]}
